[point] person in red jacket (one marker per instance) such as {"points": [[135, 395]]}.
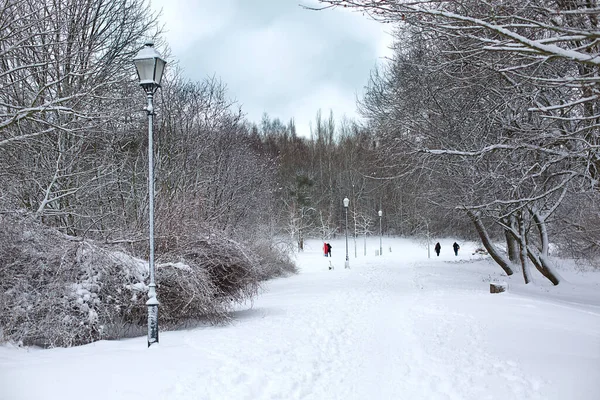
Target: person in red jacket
{"points": [[325, 249]]}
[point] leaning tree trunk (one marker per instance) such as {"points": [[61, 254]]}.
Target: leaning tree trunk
{"points": [[544, 265], [536, 260], [512, 243], [523, 252], [487, 243]]}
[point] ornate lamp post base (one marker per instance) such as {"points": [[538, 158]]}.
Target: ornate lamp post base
{"points": [[152, 304], [152, 324]]}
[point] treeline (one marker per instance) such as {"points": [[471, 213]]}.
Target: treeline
{"points": [[495, 107], [345, 159], [73, 136], [73, 144]]}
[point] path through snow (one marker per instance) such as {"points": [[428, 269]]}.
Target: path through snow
{"points": [[397, 326]]}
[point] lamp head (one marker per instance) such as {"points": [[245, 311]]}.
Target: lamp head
{"points": [[149, 66]]}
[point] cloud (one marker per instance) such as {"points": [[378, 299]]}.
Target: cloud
{"points": [[276, 57], [187, 20]]}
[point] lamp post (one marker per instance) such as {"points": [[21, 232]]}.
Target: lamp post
{"points": [[346, 202], [150, 66], [428, 238], [380, 233]]}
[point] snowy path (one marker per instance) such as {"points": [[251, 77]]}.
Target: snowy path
{"points": [[389, 328]]}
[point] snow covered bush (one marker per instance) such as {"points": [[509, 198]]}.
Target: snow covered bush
{"points": [[211, 274], [57, 290], [186, 293], [274, 261]]}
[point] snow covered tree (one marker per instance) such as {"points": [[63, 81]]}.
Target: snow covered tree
{"points": [[66, 104], [492, 131]]}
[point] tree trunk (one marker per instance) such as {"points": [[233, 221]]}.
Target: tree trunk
{"points": [[539, 261], [544, 266], [487, 243], [523, 253], [512, 244]]}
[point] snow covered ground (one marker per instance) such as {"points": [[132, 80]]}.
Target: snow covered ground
{"points": [[396, 326]]}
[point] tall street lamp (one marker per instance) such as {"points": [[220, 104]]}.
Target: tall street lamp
{"points": [[380, 233], [346, 202], [150, 66]]}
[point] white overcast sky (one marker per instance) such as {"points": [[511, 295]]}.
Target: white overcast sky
{"points": [[275, 56]]}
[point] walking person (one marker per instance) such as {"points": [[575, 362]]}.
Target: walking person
{"points": [[328, 249], [325, 249], [437, 248], [455, 246]]}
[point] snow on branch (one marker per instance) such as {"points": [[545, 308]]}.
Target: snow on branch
{"points": [[565, 105], [398, 11], [492, 148]]}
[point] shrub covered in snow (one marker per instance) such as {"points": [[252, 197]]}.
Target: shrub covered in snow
{"points": [[211, 274], [57, 290], [274, 261]]}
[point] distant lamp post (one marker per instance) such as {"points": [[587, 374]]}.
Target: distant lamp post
{"points": [[380, 233], [428, 238], [150, 66], [346, 203]]}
